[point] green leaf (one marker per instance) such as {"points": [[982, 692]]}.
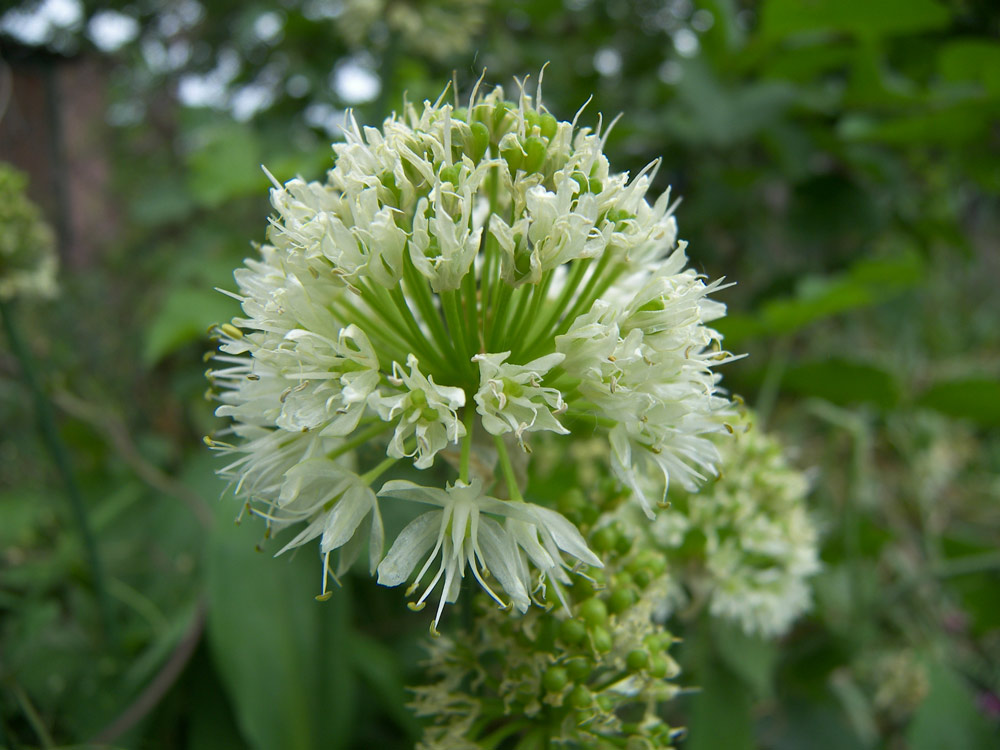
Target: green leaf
{"points": [[975, 399], [378, 666], [948, 718], [283, 657], [750, 657], [721, 716], [780, 18], [957, 124], [844, 382], [866, 283], [226, 165], [972, 61], [184, 317]]}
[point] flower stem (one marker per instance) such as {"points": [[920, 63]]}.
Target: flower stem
{"points": [[60, 457], [370, 476], [470, 425], [508, 469], [362, 437]]}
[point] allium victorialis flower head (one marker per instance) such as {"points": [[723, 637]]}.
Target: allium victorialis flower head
{"points": [[466, 277]]}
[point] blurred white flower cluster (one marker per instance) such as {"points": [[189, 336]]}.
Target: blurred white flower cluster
{"points": [[27, 245], [745, 543], [435, 28], [463, 278]]}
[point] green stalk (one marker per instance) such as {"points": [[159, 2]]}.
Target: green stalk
{"points": [[385, 348], [508, 470], [469, 419], [524, 322], [501, 299], [470, 297], [580, 266], [436, 358], [421, 294], [60, 457], [520, 298], [404, 326], [373, 474], [360, 439], [452, 314]]}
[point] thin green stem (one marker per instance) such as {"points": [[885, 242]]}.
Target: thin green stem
{"points": [[471, 299], [420, 293], [449, 301], [31, 714], [386, 349], [437, 359], [402, 323], [60, 457], [370, 476], [362, 437], [507, 327], [508, 469], [469, 419], [580, 266], [523, 323], [501, 300]]}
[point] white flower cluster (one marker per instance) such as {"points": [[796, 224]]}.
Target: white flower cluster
{"points": [[27, 245], [746, 543], [464, 277]]}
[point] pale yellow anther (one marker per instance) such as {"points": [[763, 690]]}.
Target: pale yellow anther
{"points": [[232, 331]]}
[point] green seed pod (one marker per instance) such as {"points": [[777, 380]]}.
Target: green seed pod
{"points": [[450, 174], [636, 660], [514, 157], [601, 639], [555, 679], [580, 697], [549, 125], [579, 669], [658, 666], [594, 612], [536, 152], [604, 539], [480, 137], [620, 600], [572, 632], [642, 577]]}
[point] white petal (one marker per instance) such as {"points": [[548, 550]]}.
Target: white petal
{"points": [[346, 516], [413, 542]]}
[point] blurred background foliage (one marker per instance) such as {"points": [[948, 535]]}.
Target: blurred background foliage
{"points": [[840, 159]]}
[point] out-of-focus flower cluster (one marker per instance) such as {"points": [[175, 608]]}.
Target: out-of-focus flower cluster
{"points": [[745, 543], [27, 245], [593, 676], [465, 280], [435, 28]]}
